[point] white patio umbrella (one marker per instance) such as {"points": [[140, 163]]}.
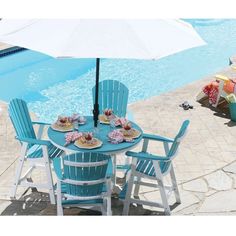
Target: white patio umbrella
{"points": [[76, 38]]}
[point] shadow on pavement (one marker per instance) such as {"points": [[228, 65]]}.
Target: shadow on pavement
{"points": [[37, 203]]}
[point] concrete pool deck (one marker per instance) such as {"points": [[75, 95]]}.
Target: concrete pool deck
{"points": [[205, 166]]}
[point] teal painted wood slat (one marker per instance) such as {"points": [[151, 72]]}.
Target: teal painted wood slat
{"points": [[104, 95], [72, 173], [125, 101], [110, 94], [116, 97]]}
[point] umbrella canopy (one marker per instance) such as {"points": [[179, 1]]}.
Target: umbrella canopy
{"points": [[136, 39], [75, 38]]}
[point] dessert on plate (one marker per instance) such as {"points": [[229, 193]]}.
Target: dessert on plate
{"points": [[88, 141], [63, 123], [128, 131], [107, 116]]}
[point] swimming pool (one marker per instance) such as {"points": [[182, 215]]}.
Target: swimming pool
{"points": [[55, 87], [25, 74]]}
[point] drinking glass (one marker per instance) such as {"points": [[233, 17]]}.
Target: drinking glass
{"points": [[112, 124], [97, 130], [75, 125]]}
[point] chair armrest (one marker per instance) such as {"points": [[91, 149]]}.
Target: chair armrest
{"points": [[40, 123], [57, 167], [147, 156], [34, 141], [157, 138]]}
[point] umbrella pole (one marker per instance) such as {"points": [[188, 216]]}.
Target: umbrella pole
{"points": [[96, 105]]}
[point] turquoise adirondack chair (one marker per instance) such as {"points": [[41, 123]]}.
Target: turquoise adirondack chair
{"points": [[114, 95], [38, 152], [84, 179], [148, 166]]}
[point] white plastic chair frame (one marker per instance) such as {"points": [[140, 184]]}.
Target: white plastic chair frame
{"points": [[165, 191]]}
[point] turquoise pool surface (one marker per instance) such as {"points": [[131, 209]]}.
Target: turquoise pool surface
{"points": [[52, 87]]}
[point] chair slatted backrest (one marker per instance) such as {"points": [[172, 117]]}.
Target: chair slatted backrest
{"points": [[20, 118], [113, 95], [175, 145], [87, 169]]}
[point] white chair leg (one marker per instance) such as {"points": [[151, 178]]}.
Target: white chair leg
{"points": [[128, 195], [164, 197], [114, 169], [59, 204], [19, 170], [109, 212], [40, 131], [127, 161], [108, 198], [49, 175], [103, 208], [129, 188], [166, 148], [162, 188], [137, 186], [174, 185]]}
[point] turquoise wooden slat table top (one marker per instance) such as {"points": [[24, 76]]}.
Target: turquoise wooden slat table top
{"points": [[58, 139]]}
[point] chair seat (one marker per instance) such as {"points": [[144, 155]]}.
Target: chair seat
{"points": [[146, 167], [37, 152]]}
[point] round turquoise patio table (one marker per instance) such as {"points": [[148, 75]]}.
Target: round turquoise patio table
{"points": [[58, 139]]}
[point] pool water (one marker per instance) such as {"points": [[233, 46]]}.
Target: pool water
{"points": [[25, 74], [53, 87]]}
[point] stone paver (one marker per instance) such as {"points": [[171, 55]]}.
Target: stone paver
{"points": [[233, 176], [188, 210], [220, 202], [219, 181], [187, 199], [230, 168], [198, 185], [210, 192]]}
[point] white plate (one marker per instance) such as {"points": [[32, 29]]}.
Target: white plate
{"points": [[103, 120], [80, 123], [136, 133], [61, 129], [84, 146]]}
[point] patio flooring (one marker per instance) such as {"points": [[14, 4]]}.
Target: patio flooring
{"points": [[205, 166]]}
